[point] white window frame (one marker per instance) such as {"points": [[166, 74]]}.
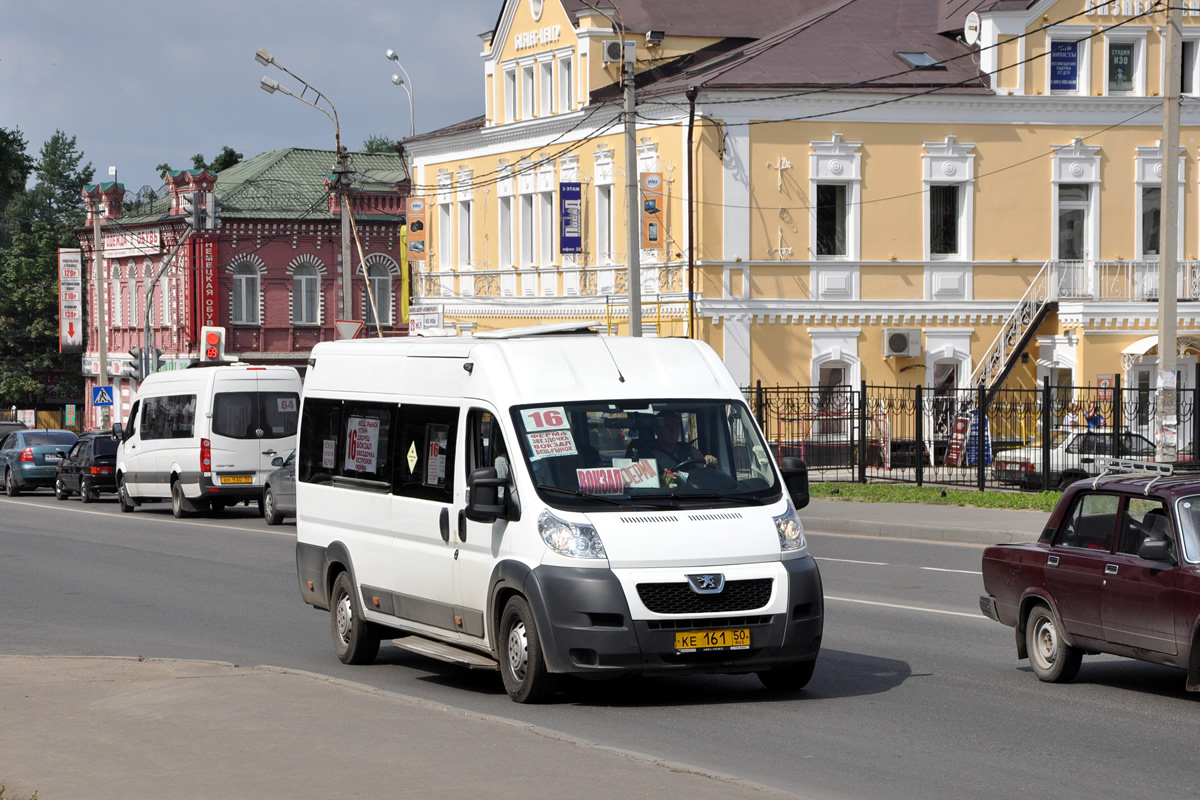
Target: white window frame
{"points": [[566, 82], [167, 295], [950, 162], [527, 90], [1191, 70], [380, 278], [604, 224], [546, 92], [246, 288], [845, 219], [1135, 35], [1148, 175], [118, 289], [509, 91], [148, 276], [837, 162], [545, 204], [1082, 37], [1076, 163], [466, 230], [839, 345], [506, 231], [306, 294], [133, 295], [527, 229]]}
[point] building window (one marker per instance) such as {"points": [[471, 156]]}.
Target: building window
{"points": [[546, 228], [445, 236], [114, 307], [831, 219], [134, 320], [1066, 66], [510, 95], [527, 92], [1073, 221], [943, 219], [566, 90], [547, 88], [381, 290], [148, 274], [1189, 81], [604, 224], [506, 232], [245, 295], [1123, 67], [305, 293], [1151, 219], [527, 228], [465, 254]]}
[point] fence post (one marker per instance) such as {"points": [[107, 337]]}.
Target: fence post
{"points": [[863, 444], [1196, 412], [758, 405], [980, 460], [1046, 433], [1118, 413], [920, 433]]}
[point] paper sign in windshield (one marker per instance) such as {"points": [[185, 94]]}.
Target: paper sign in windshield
{"points": [[362, 444], [600, 480], [545, 419], [548, 444], [641, 474]]}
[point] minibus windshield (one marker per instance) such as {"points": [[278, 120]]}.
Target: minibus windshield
{"points": [[645, 453]]}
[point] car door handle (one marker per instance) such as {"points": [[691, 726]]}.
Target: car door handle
{"points": [[1052, 561], [462, 525], [269, 452], [444, 524], [1110, 569]]}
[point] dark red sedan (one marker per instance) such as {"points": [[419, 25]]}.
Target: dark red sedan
{"points": [[1117, 570]]}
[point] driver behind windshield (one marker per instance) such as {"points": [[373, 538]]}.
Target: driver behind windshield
{"points": [[669, 450]]}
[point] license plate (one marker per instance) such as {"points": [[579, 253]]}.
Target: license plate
{"points": [[727, 639], [52, 457], [236, 479]]}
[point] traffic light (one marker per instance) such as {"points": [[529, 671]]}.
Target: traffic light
{"points": [[155, 358], [212, 345], [212, 211], [191, 208], [136, 368]]}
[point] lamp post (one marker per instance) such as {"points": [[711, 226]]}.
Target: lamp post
{"points": [[341, 167], [406, 84]]}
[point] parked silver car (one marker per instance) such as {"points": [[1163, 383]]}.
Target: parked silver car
{"points": [[279, 491]]}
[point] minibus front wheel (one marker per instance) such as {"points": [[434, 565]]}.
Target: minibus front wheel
{"points": [[522, 665]]}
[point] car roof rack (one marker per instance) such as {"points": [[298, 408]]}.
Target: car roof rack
{"points": [[1159, 469]]}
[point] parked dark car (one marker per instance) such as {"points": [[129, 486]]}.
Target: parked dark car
{"points": [[279, 490], [89, 468], [1116, 570], [29, 458], [8, 427]]}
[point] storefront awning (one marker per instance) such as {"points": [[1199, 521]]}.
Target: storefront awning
{"points": [[1141, 346]]}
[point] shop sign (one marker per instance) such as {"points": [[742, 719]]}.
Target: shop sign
{"points": [[570, 198], [70, 301]]}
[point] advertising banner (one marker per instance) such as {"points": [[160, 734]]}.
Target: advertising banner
{"points": [[570, 198], [416, 228], [1064, 67], [207, 280], [652, 222], [70, 301]]}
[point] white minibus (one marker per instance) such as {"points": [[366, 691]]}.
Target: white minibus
{"points": [[551, 502]]}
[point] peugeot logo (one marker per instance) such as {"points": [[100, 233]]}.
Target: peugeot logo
{"points": [[707, 584]]}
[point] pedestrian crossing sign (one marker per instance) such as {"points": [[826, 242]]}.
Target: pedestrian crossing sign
{"points": [[102, 396]]}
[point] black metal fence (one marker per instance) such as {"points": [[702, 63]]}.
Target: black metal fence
{"points": [[1033, 439]]}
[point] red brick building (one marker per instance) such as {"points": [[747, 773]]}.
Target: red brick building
{"points": [[270, 272]]}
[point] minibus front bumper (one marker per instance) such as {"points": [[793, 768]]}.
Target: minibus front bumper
{"points": [[587, 629]]}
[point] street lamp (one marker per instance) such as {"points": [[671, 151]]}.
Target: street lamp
{"points": [[406, 84], [341, 168]]}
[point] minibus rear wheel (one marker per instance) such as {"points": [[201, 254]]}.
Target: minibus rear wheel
{"points": [[355, 641], [522, 664]]}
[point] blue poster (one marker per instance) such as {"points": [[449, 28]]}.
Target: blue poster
{"points": [[972, 443], [570, 198], [1064, 67]]}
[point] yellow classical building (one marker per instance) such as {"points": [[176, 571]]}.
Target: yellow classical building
{"points": [[903, 192]]}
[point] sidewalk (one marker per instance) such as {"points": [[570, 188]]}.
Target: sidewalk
{"points": [[916, 521], [123, 728]]}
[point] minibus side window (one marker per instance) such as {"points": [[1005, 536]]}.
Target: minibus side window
{"points": [[487, 448], [423, 462], [366, 444], [320, 430]]}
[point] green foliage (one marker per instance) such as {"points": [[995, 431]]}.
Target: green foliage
{"points": [[379, 144], [15, 166], [932, 495], [224, 160], [56, 199]]}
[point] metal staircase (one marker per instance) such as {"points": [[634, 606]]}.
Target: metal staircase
{"points": [[1017, 331]]}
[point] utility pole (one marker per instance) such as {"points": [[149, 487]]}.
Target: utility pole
{"points": [[1165, 417], [341, 186], [101, 300], [632, 210]]}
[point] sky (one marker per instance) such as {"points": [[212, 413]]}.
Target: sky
{"points": [[146, 82]]}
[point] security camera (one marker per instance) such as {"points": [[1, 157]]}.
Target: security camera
{"points": [[655, 38]]}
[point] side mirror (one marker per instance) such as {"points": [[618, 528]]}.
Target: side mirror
{"points": [[795, 478], [277, 461], [1157, 550], [483, 505], [118, 432]]}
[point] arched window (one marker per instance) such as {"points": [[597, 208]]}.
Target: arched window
{"points": [[148, 274], [306, 284], [245, 295], [381, 289], [115, 289], [134, 320]]}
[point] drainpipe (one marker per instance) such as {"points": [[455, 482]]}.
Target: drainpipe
{"points": [[691, 232]]}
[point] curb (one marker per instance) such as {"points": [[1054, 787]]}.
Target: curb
{"points": [[929, 533]]}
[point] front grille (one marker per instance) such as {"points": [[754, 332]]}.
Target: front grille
{"points": [[678, 598], [700, 624]]}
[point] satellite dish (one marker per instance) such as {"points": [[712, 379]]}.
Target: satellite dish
{"points": [[971, 29]]}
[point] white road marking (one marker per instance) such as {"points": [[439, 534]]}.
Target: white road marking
{"points": [[136, 517], [852, 561], [909, 608], [961, 571]]}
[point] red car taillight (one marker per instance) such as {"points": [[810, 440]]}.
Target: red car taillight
{"points": [[205, 456], [100, 470], [27, 454]]}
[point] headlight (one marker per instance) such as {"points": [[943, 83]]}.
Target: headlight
{"points": [[791, 532], [572, 539]]}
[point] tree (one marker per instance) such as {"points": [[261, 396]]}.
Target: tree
{"points": [[379, 144], [56, 199], [224, 160], [15, 166]]}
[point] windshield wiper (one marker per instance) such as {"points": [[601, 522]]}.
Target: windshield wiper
{"points": [[542, 487]]}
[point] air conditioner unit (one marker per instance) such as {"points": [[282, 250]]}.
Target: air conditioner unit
{"points": [[614, 53], [901, 342]]}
